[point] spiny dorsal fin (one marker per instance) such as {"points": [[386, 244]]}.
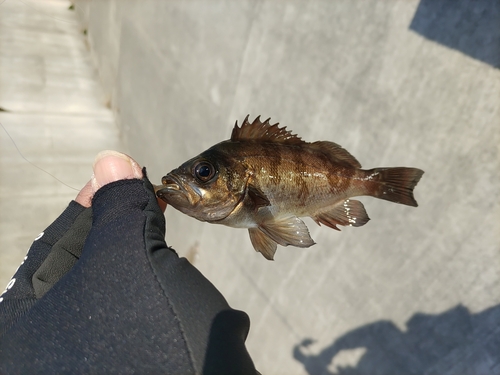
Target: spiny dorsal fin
{"points": [[336, 152], [263, 131]]}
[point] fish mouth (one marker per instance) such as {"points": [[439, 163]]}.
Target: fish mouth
{"points": [[171, 186]]}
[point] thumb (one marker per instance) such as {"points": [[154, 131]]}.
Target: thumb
{"points": [[110, 166]]}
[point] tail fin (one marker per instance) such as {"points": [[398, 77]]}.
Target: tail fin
{"points": [[395, 184]]}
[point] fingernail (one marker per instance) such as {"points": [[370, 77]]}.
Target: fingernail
{"points": [[112, 166]]}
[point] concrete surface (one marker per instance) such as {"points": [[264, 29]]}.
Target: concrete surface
{"points": [[54, 110], [397, 83]]}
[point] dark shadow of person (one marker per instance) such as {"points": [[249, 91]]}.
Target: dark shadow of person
{"points": [[454, 342], [472, 27]]}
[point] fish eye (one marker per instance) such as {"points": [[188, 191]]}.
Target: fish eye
{"points": [[204, 171]]}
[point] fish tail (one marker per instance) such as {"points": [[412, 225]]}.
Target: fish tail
{"points": [[394, 184]]}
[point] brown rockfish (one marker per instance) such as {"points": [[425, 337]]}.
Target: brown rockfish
{"points": [[264, 178]]}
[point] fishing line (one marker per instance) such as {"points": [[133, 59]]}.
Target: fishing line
{"points": [[33, 164]]}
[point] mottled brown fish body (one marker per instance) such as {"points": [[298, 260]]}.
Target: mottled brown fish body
{"points": [[294, 178], [264, 178]]}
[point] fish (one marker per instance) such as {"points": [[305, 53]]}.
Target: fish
{"points": [[264, 179]]}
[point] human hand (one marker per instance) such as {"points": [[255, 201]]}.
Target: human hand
{"points": [[101, 291], [110, 166]]}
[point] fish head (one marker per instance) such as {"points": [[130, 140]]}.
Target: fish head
{"points": [[208, 187]]}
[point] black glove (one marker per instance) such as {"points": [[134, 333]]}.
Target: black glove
{"points": [[100, 292]]}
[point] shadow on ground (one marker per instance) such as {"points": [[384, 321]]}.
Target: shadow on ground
{"points": [[454, 342], [472, 27]]}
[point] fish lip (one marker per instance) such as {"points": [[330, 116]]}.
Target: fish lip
{"points": [[170, 185]]}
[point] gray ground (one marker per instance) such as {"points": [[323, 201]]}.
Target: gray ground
{"points": [[397, 83]]}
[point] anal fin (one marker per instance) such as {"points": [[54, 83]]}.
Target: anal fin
{"points": [[348, 213], [262, 243]]}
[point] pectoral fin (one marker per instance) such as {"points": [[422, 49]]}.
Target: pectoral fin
{"points": [[350, 212], [262, 243], [258, 198], [287, 231]]}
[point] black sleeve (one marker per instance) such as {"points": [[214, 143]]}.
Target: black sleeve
{"points": [[127, 305]]}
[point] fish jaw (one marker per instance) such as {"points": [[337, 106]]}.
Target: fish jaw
{"points": [[172, 192]]}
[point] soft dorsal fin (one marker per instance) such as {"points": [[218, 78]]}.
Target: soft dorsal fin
{"points": [[263, 131], [336, 152]]}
